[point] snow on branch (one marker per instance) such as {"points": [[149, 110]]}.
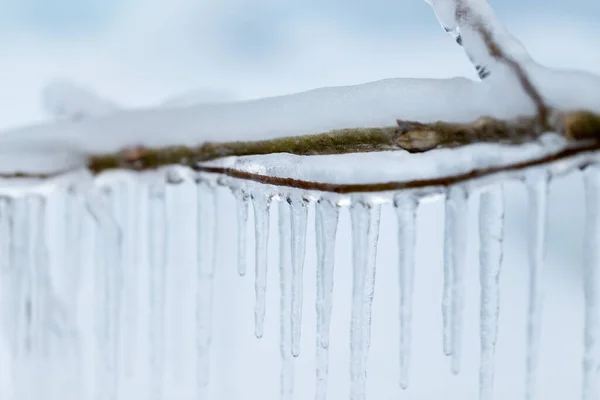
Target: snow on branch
{"points": [[63, 99], [515, 105]]}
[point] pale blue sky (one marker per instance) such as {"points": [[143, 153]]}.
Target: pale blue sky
{"points": [[63, 18], [140, 51]]}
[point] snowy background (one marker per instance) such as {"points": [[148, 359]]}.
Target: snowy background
{"points": [[140, 52]]}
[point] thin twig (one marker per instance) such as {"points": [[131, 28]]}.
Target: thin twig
{"points": [[575, 150]]}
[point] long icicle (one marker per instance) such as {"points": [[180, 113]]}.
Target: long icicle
{"points": [[365, 235], [458, 203], [262, 203], [45, 308], [242, 218], [208, 232], [108, 281], [326, 221], [35, 289], [74, 215], [20, 282], [285, 303], [157, 230], [591, 286], [491, 236], [131, 214], [298, 218], [448, 276], [537, 188], [406, 211]]}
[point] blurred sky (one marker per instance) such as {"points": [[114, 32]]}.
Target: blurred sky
{"points": [[141, 51]]}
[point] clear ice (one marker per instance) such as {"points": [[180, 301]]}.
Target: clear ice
{"points": [[491, 233], [157, 257], [285, 304], [107, 291], [406, 211], [365, 235], [326, 221], [298, 217], [591, 286], [455, 251], [207, 236], [537, 188], [262, 203], [242, 217]]}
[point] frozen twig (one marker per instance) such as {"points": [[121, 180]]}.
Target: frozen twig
{"points": [[491, 42]]}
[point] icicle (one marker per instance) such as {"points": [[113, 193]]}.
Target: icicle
{"points": [[285, 282], [208, 233], [491, 233], [326, 221], [406, 209], [5, 235], [8, 275], [453, 302], [298, 214], [157, 228], [45, 310], [128, 206], [74, 215], [449, 225], [21, 298], [262, 202], [329, 216], [365, 234], [32, 286], [108, 282], [242, 217], [591, 286], [537, 188]]}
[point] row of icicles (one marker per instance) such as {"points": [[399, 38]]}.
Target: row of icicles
{"points": [[365, 219]]}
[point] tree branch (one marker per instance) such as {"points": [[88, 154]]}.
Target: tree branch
{"points": [[574, 150], [408, 135]]}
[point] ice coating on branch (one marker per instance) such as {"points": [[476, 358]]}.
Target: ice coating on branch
{"points": [[208, 234], [68, 100], [591, 286], [491, 233], [393, 166], [326, 221], [285, 303], [108, 284], [298, 219], [157, 230], [406, 210], [537, 183], [365, 235], [241, 198], [262, 203], [455, 245]]}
